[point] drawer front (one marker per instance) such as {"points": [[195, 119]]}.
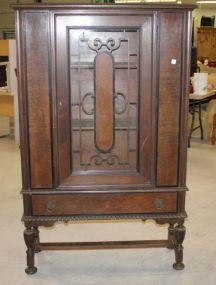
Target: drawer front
{"points": [[111, 203]]}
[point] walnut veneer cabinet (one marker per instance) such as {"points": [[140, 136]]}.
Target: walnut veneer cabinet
{"points": [[103, 98]]}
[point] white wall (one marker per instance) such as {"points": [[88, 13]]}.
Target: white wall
{"points": [[6, 16], [7, 19], [13, 86], [197, 14]]}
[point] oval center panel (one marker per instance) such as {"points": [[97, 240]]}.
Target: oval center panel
{"points": [[104, 101]]}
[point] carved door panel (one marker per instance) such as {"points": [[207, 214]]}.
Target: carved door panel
{"points": [[104, 102]]}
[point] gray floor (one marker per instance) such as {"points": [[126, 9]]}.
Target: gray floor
{"points": [[133, 266]]}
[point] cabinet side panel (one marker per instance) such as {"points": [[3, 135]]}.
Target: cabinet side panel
{"points": [[169, 98], [185, 99], [37, 87], [22, 102]]}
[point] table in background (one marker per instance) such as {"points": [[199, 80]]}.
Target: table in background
{"points": [[195, 106]]}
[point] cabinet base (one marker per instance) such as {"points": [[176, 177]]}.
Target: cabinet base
{"points": [[176, 234]]}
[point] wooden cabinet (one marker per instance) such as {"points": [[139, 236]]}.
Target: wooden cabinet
{"points": [[206, 43], [103, 109]]}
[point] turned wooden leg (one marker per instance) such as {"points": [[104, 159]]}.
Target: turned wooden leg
{"points": [[171, 231], [37, 240], [179, 235], [30, 235]]}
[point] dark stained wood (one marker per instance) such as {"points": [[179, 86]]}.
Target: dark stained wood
{"points": [[129, 7], [65, 190], [171, 232], [62, 104], [144, 174], [147, 101], [30, 239], [22, 102], [181, 201], [37, 84], [169, 98], [152, 183], [179, 235], [96, 180], [186, 56], [104, 92], [27, 206], [103, 203], [102, 245]]}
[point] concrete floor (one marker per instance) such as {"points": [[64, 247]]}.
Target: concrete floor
{"points": [[128, 267]]}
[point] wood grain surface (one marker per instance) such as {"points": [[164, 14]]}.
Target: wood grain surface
{"points": [[103, 203], [169, 98], [104, 89], [37, 84]]}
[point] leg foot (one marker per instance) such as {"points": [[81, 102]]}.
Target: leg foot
{"points": [[179, 235], [178, 266], [30, 235], [31, 270]]}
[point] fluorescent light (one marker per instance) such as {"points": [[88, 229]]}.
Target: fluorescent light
{"points": [[143, 1], [159, 1], [206, 2]]}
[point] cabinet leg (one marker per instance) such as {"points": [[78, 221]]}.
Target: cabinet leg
{"points": [[179, 235], [37, 240], [30, 235], [213, 137], [171, 232]]}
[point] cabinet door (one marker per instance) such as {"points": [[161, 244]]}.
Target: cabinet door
{"points": [[104, 101]]}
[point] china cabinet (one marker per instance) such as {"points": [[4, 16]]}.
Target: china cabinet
{"points": [[103, 111]]}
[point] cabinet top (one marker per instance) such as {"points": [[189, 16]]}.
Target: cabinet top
{"points": [[128, 6]]}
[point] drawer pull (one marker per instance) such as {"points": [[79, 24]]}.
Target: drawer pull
{"points": [[159, 204], [51, 205]]}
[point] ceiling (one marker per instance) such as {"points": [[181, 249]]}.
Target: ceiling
{"points": [[203, 5]]}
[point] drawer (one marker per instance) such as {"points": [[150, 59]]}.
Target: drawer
{"points": [[111, 203]]}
